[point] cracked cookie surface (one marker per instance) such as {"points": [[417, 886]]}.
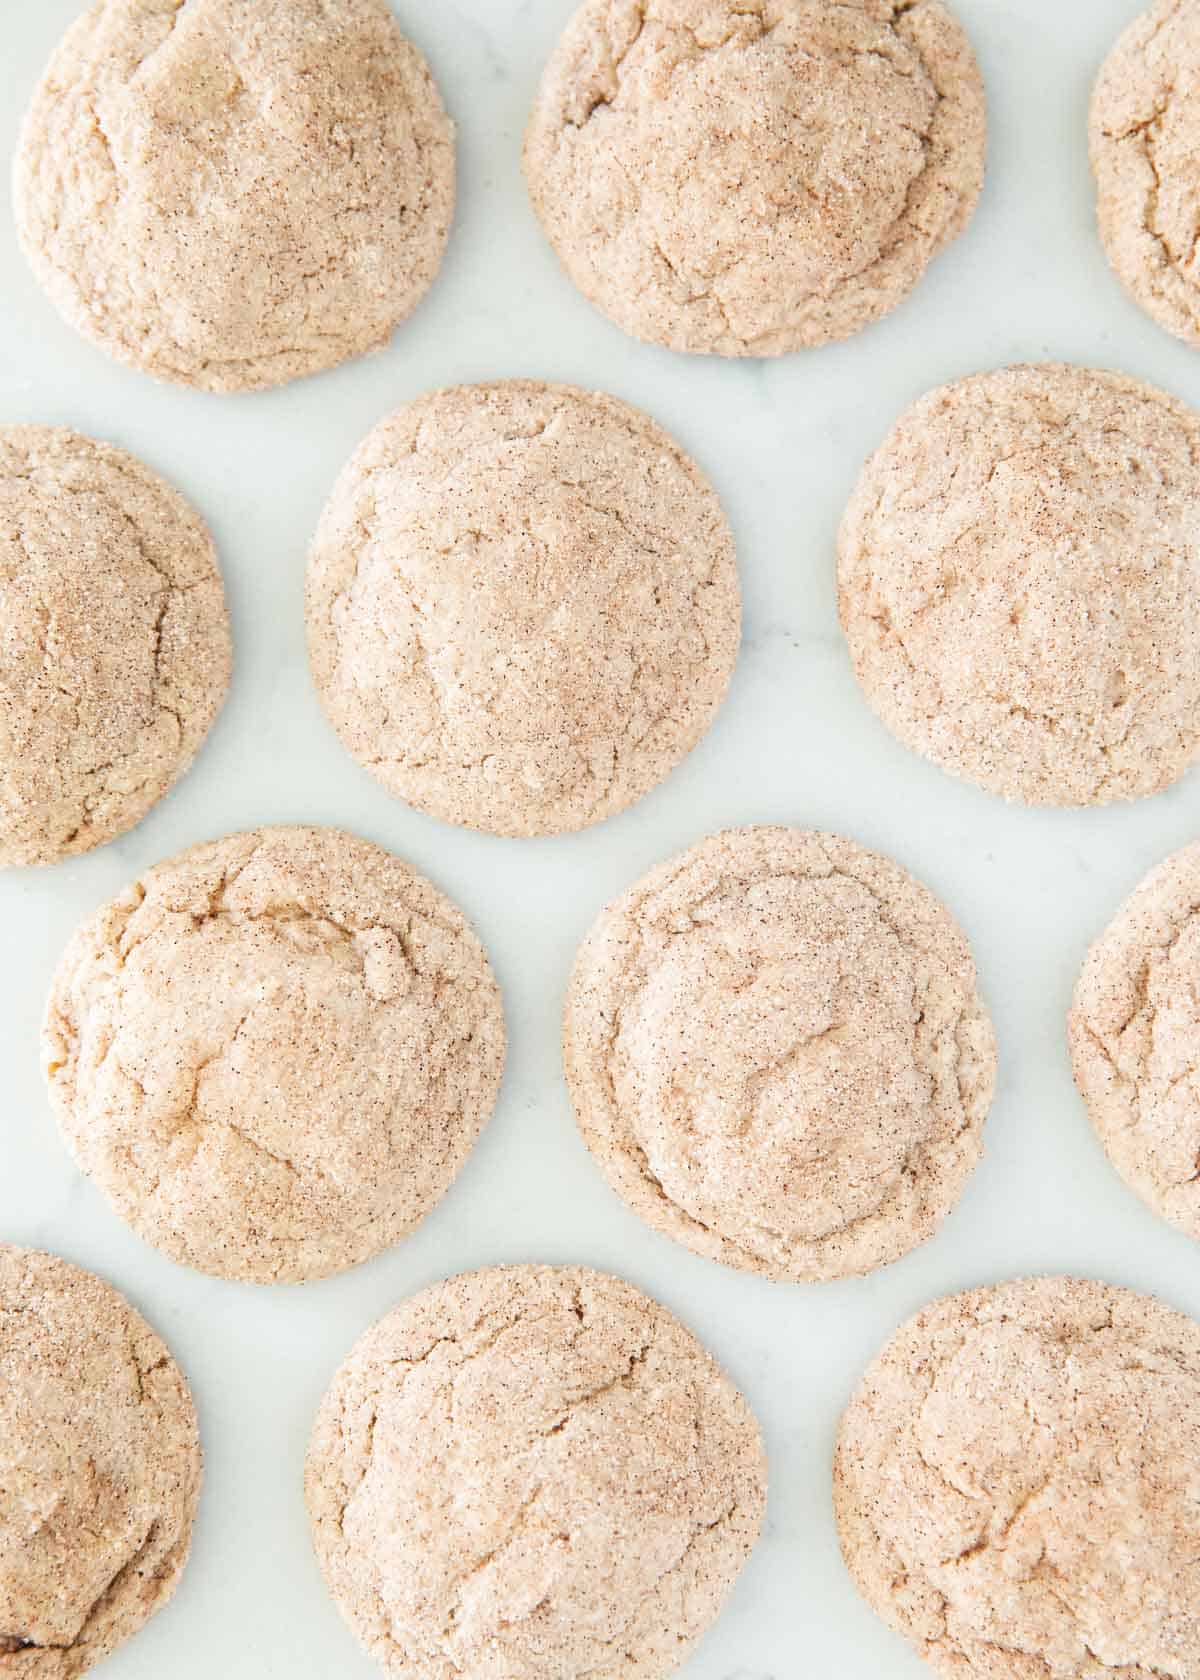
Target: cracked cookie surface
{"points": [[230, 194], [1134, 1032], [1019, 583], [523, 606], [749, 177], [274, 1053], [1145, 152], [778, 1055], [1015, 1484], [100, 1469], [533, 1472], [116, 638]]}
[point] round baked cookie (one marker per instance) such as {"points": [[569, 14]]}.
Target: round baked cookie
{"points": [[1134, 1032], [1145, 149], [778, 1055], [274, 1053], [1019, 572], [532, 1470], [99, 1469], [749, 180], [523, 606], [230, 194], [115, 636], [1015, 1484]]}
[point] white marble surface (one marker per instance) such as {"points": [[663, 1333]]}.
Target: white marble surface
{"points": [[795, 743]]}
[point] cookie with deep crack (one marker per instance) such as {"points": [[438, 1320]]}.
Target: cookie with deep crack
{"points": [[230, 194], [1019, 581], [1134, 1032], [523, 606], [274, 1053], [778, 1055], [754, 179], [100, 1469], [532, 1470], [1146, 160], [116, 642], [1015, 1484]]}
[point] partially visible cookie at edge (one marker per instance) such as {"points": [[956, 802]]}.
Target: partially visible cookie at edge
{"points": [[1015, 1484], [751, 180], [100, 1469], [1134, 1033], [523, 606], [1019, 583], [1144, 136], [532, 1470], [116, 637], [778, 1055], [274, 1053], [230, 194]]}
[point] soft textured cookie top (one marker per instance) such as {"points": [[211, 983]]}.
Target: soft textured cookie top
{"points": [[1019, 574], [274, 1053], [1145, 146], [233, 193], [523, 606], [115, 637], [754, 178], [778, 1055], [1134, 1031], [1015, 1484], [532, 1471], [99, 1469]]}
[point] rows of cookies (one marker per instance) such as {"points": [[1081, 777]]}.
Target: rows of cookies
{"points": [[274, 1052]]}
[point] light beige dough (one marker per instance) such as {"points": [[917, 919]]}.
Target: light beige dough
{"points": [[1019, 577], [1145, 147], [523, 606], [778, 1055], [100, 1469], [274, 1053], [532, 1471], [229, 194], [749, 177], [1134, 1031], [116, 649], [1015, 1485]]}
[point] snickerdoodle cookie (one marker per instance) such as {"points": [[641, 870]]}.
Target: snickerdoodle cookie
{"points": [[532, 1470], [749, 179], [229, 194], [115, 637], [274, 1053], [778, 1055], [1145, 147], [523, 606], [1015, 1484], [99, 1469], [1134, 1032], [1019, 574]]}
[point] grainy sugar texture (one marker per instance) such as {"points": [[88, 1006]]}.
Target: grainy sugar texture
{"points": [[1015, 1485], [230, 194], [116, 642], [274, 1053], [749, 177], [523, 606], [778, 1054], [99, 1469], [1019, 579], [1145, 147], [1135, 1039], [532, 1471]]}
